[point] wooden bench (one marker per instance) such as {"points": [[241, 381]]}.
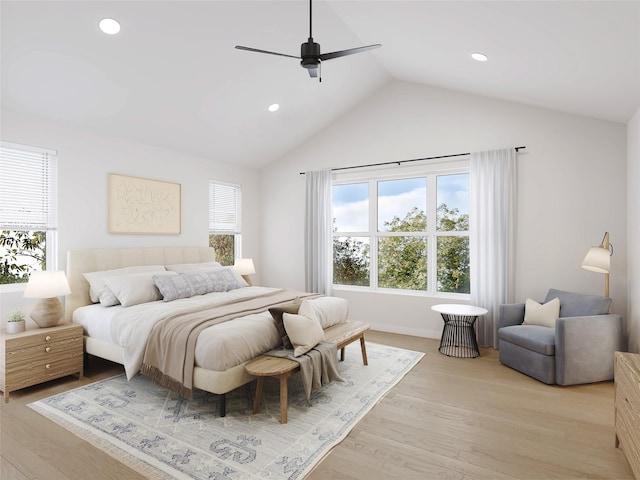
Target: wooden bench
{"points": [[342, 334]]}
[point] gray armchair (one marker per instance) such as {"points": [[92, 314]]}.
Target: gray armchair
{"points": [[580, 348]]}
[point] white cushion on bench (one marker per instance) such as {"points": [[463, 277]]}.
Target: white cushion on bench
{"points": [[326, 310]]}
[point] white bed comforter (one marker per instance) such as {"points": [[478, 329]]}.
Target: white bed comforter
{"points": [[131, 326]]}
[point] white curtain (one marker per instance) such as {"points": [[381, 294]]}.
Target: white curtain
{"points": [[318, 235], [492, 200]]}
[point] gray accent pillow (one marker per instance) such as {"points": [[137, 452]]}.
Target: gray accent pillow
{"points": [[578, 304], [190, 284]]}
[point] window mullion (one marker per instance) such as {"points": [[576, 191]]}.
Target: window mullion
{"points": [[432, 261], [373, 233]]}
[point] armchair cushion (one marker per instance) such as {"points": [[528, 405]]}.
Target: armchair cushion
{"points": [[578, 304], [532, 337]]}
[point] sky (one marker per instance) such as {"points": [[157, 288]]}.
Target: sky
{"points": [[395, 198]]}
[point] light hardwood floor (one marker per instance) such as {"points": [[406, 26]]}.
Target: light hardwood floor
{"points": [[448, 418]]}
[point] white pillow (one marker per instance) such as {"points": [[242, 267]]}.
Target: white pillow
{"points": [[135, 288], [304, 332], [192, 267], [97, 283], [327, 310], [541, 314]]}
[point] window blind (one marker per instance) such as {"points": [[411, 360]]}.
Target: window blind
{"points": [[28, 196], [224, 208]]}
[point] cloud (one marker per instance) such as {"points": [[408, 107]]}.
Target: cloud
{"points": [[354, 216], [399, 205]]}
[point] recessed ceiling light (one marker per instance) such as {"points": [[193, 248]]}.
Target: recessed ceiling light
{"points": [[273, 107], [109, 26], [480, 57]]}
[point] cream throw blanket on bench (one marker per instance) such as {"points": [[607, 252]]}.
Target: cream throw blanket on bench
{"points": [[170, 352]]}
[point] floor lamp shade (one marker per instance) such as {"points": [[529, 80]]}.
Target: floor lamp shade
{"points": [[598, 259], [47, 286]]}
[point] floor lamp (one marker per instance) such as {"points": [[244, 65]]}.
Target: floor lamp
{"points": [[598, 259]]}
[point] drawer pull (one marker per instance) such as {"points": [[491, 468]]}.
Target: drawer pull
{"points": [[47, 349], [47, 338], [47, 366]]}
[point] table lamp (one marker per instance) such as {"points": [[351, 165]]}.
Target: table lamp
{"points": [[47, 286], [598, 259], [244, 266]]}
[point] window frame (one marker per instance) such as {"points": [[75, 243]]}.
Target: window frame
{"points": [[49, 191], [430, 170], [237, 230]]}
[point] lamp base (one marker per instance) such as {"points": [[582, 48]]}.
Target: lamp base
{"points": [[247, 279], [47, 312]]}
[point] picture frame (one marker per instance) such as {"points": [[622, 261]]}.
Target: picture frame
{"points": [[144, 206]]}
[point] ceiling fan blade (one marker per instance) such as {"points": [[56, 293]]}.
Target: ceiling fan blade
{"points": [[351, 51], [249, 49]]}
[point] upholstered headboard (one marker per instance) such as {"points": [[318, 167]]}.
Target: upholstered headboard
{"points": [[93, 260]]}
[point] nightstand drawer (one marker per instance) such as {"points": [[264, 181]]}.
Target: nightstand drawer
{"points": [[26, 340], [33, 372], [42, 350]]}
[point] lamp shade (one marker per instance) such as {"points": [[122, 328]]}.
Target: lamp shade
{"points": [[244, 266], [597, 259], [47, 284]]}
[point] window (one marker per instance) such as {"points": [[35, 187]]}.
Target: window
{"points": [[28, 211], [407, 233], [224, 222]]}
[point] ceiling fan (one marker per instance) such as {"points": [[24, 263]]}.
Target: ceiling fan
{"points": [[310, 56]]}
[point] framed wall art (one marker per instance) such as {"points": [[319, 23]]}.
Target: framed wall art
{"points": [[144, 206]]}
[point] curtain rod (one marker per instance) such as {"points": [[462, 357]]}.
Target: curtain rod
{"points": [[399, 162]]}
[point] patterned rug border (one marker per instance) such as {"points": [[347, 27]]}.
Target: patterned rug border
{"points": [[157, 470], [143, 464]]}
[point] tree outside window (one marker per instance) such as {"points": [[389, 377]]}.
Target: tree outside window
{"points": [[21, 252]]}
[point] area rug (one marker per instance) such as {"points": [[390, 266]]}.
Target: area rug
{"points": [[164, 436]]}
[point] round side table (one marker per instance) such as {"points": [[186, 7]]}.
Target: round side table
{"points": [[458, 335]]}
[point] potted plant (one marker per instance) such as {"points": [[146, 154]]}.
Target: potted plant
{"points": [[16, 323]]}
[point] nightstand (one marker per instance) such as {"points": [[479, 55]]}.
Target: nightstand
{"points": [[39, 355]]}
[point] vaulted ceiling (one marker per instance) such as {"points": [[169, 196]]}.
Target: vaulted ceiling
{"points": [[172, 77]]}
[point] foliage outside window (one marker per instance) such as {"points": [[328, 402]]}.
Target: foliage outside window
{"points": [[28, 211], [420, 237], [224, 222]]}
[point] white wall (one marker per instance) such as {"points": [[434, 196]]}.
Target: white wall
{"points": [[633, 236], [84, 162], [571, 189]]}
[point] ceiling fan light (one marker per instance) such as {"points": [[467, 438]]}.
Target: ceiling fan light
{"points": [[480, 57], [109, 26]]}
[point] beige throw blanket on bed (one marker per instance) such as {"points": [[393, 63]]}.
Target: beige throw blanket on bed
{"points": [[170, 352], [318, 367]]}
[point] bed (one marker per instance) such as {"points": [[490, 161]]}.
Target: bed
{"points": [[220, 378]]}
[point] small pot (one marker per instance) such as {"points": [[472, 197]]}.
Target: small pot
{"points": [[16, 327]]}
